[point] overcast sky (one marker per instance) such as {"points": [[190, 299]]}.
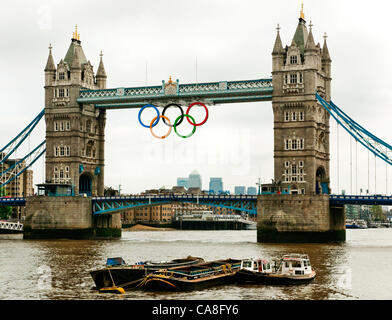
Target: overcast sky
{"points": [[231, 40]]}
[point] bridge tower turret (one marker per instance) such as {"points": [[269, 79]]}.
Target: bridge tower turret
{"points": [[74, 133], [301, 124]]}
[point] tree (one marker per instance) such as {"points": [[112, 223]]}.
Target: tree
{"points": [[377, 213], [5, 211]]}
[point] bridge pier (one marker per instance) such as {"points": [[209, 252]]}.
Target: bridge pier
{"points": [[299, 218], [69, 218]]}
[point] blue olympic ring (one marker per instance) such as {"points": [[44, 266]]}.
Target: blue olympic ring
{"points": [[158, 115]]}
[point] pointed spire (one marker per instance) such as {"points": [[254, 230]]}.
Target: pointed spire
{"points": [[50, 63], [75, 34], [278, 48], [76, 61], [302, 15], [326, 55], [310, 45], [101, 69]]}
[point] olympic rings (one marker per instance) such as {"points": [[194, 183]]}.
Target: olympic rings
{"points": [[151, 125], [175, 105], [177, 122], [189, 108], [140, 113]]}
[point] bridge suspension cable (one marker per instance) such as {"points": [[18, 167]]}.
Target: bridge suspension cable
{"points": [[378, 147], [19, 166], [14, 144], [16, 169]]}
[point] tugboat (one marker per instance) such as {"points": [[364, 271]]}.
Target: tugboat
{"points": [[119, 275], [290, 269], [193, 277]]}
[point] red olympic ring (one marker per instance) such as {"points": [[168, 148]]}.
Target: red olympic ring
{"points": [[187, 112]]}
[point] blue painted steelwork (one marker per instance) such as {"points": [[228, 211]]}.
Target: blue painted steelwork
{"points": [[104, 205], [13, 202], [361, 200], [212, 93], [28, 165], [110, 205], [19, 138], [377, 146]]}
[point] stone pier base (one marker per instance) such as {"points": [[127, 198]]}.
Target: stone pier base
{"points": [[299, 218], [69, 218]]}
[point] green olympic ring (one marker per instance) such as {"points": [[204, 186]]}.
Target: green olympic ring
{"points": [[175, 125]]}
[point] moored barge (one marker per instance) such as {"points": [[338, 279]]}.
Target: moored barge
{"points": [[119, 274], [195, 277]]}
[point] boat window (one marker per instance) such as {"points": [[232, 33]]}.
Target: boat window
{"points": [[287, 265], [247, 264], [268, 266], [296, 264]]}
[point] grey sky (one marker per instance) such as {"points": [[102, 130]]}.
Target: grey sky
{"points": [[232, 40]]}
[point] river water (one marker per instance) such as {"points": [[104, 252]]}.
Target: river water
{"points": [[360, 268]]}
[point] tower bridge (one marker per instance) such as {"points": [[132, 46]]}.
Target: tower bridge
{"points": [[76, 102]]}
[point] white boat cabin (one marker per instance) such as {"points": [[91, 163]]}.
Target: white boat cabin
{"points": [[259, 265], [295, 264]]}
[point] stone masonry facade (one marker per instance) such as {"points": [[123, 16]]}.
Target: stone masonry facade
{"points": [[301, 124], [75, 134]]}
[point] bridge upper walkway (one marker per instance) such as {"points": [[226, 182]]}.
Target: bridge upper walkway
{"points": [[208, 92]]}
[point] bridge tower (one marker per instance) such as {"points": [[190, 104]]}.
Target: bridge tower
{"points": [[74, 133], [301, 124], [301, 146]]}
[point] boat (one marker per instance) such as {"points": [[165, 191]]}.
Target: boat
{"points": [[195, 277], [359, 224], [290, 269], [119, 274]]}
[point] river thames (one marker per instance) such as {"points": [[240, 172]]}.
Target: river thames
{"points": [[59, 269]]}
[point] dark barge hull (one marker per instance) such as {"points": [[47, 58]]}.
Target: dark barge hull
{"points": [[246, 276], [128, 276], [159, 283]]}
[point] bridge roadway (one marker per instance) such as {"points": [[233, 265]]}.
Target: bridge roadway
{"points": [[244, 203]]}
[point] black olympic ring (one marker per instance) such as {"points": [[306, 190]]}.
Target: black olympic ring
{"points": [[175, 105]]}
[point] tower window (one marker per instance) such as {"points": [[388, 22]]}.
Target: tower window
{"points": [[56, 126], [286, 164], [300, 78], [294, 169], [293, 78], [294, 116], [61, 126], [61, 76], [68, 126], [301, 164], [286, 116], [301, 116], [293, 59], [285, 79], [62, 151], [301, 144], [61, 93], [294, 144]]}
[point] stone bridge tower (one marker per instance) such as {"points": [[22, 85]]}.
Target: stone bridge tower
{"points": [[301, 146], [301, 124], [74, 134]]}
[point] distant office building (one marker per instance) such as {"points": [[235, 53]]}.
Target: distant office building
{"points": [[216, 185], [252, 191], [194, 180], [239, 190], [182, 182]]}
